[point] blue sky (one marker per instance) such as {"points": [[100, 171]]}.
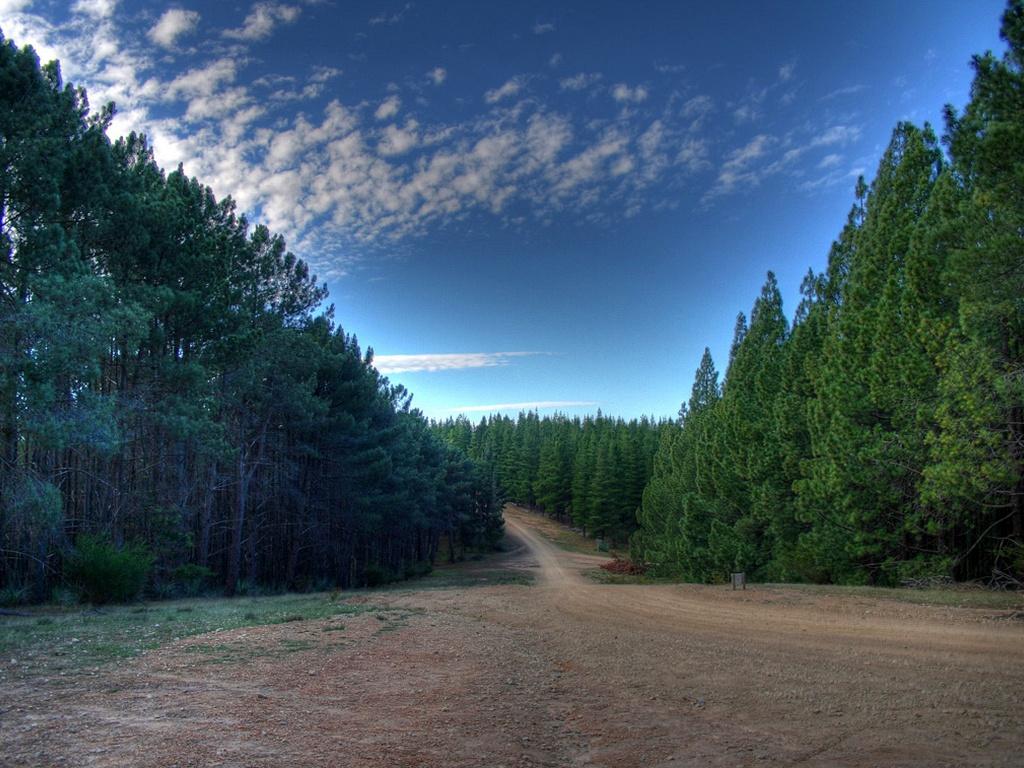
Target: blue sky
{"points": [[528, 204]]}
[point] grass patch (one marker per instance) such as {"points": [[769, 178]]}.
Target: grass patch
{"points": [[395, 619], [956, 596], [963, 596], [461, 576], [289, 618], [295, 646], [52, 641]]}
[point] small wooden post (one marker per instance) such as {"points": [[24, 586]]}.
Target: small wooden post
{"points": [[739, 580]]}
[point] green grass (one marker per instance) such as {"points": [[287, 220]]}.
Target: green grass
{"points": [[460, 576], [958, 596], [243, 651], [66, 641], [63, 640], [962, 596]]}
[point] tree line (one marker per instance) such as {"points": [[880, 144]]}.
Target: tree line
{"points": [[879, 437], [876, 438], [588, 471], [170, 381]]}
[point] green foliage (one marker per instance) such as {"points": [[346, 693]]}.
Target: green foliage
{"points": [[167, 375], [880, 439], [191, 579], [103, 573], [376, 576], [74, 639], [590, 471], [12, 596]]}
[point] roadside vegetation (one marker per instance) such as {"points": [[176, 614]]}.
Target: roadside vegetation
{"points": [[65, 639], [619, 569]]}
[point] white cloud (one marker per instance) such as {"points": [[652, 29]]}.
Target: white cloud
{"points": [[837, 134], [786, 71], [543, 29], [746, 113], [736, 171], [398, 141], [555, 60], [833, 177], [588, 167], [693, 155], [14, 6], [510, 88], [530, 405], [830, 161], [391, 18], [262, 20], [755, 149], [622, 92], [388, 108], [174, 23], [437, 75], [98, 9], [847, 91], [323, 74], [335, 182], [387, 364], [751, 107], [697, 110], [202, 81], [747, 166], [666, 68], [623, 164], [579, 82]]}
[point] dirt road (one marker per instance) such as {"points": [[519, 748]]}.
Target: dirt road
{"points": [[562, 672]]}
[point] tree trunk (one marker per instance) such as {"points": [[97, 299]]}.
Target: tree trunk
{"points": [[237, 523], [206, 518]]}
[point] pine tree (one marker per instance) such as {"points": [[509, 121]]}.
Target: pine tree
{"points": [[978, 450]]}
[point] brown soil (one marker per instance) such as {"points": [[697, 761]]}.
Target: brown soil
{"points": [[566, 672]]}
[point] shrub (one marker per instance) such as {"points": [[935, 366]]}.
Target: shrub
{"points": [[102, 573], [162, 590], [192, 579], [377, 576], [248, 588], [11, 596], [924, 571], [418, 569], [63, 596]]}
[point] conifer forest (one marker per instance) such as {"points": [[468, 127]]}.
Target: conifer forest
{"points": [[170, 382], [454, 384], [174, 385]]}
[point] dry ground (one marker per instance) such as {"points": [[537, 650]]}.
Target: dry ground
{"points": [[562, 672]]}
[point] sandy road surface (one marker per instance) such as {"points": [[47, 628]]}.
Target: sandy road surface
{"points": [[564, 672]]}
